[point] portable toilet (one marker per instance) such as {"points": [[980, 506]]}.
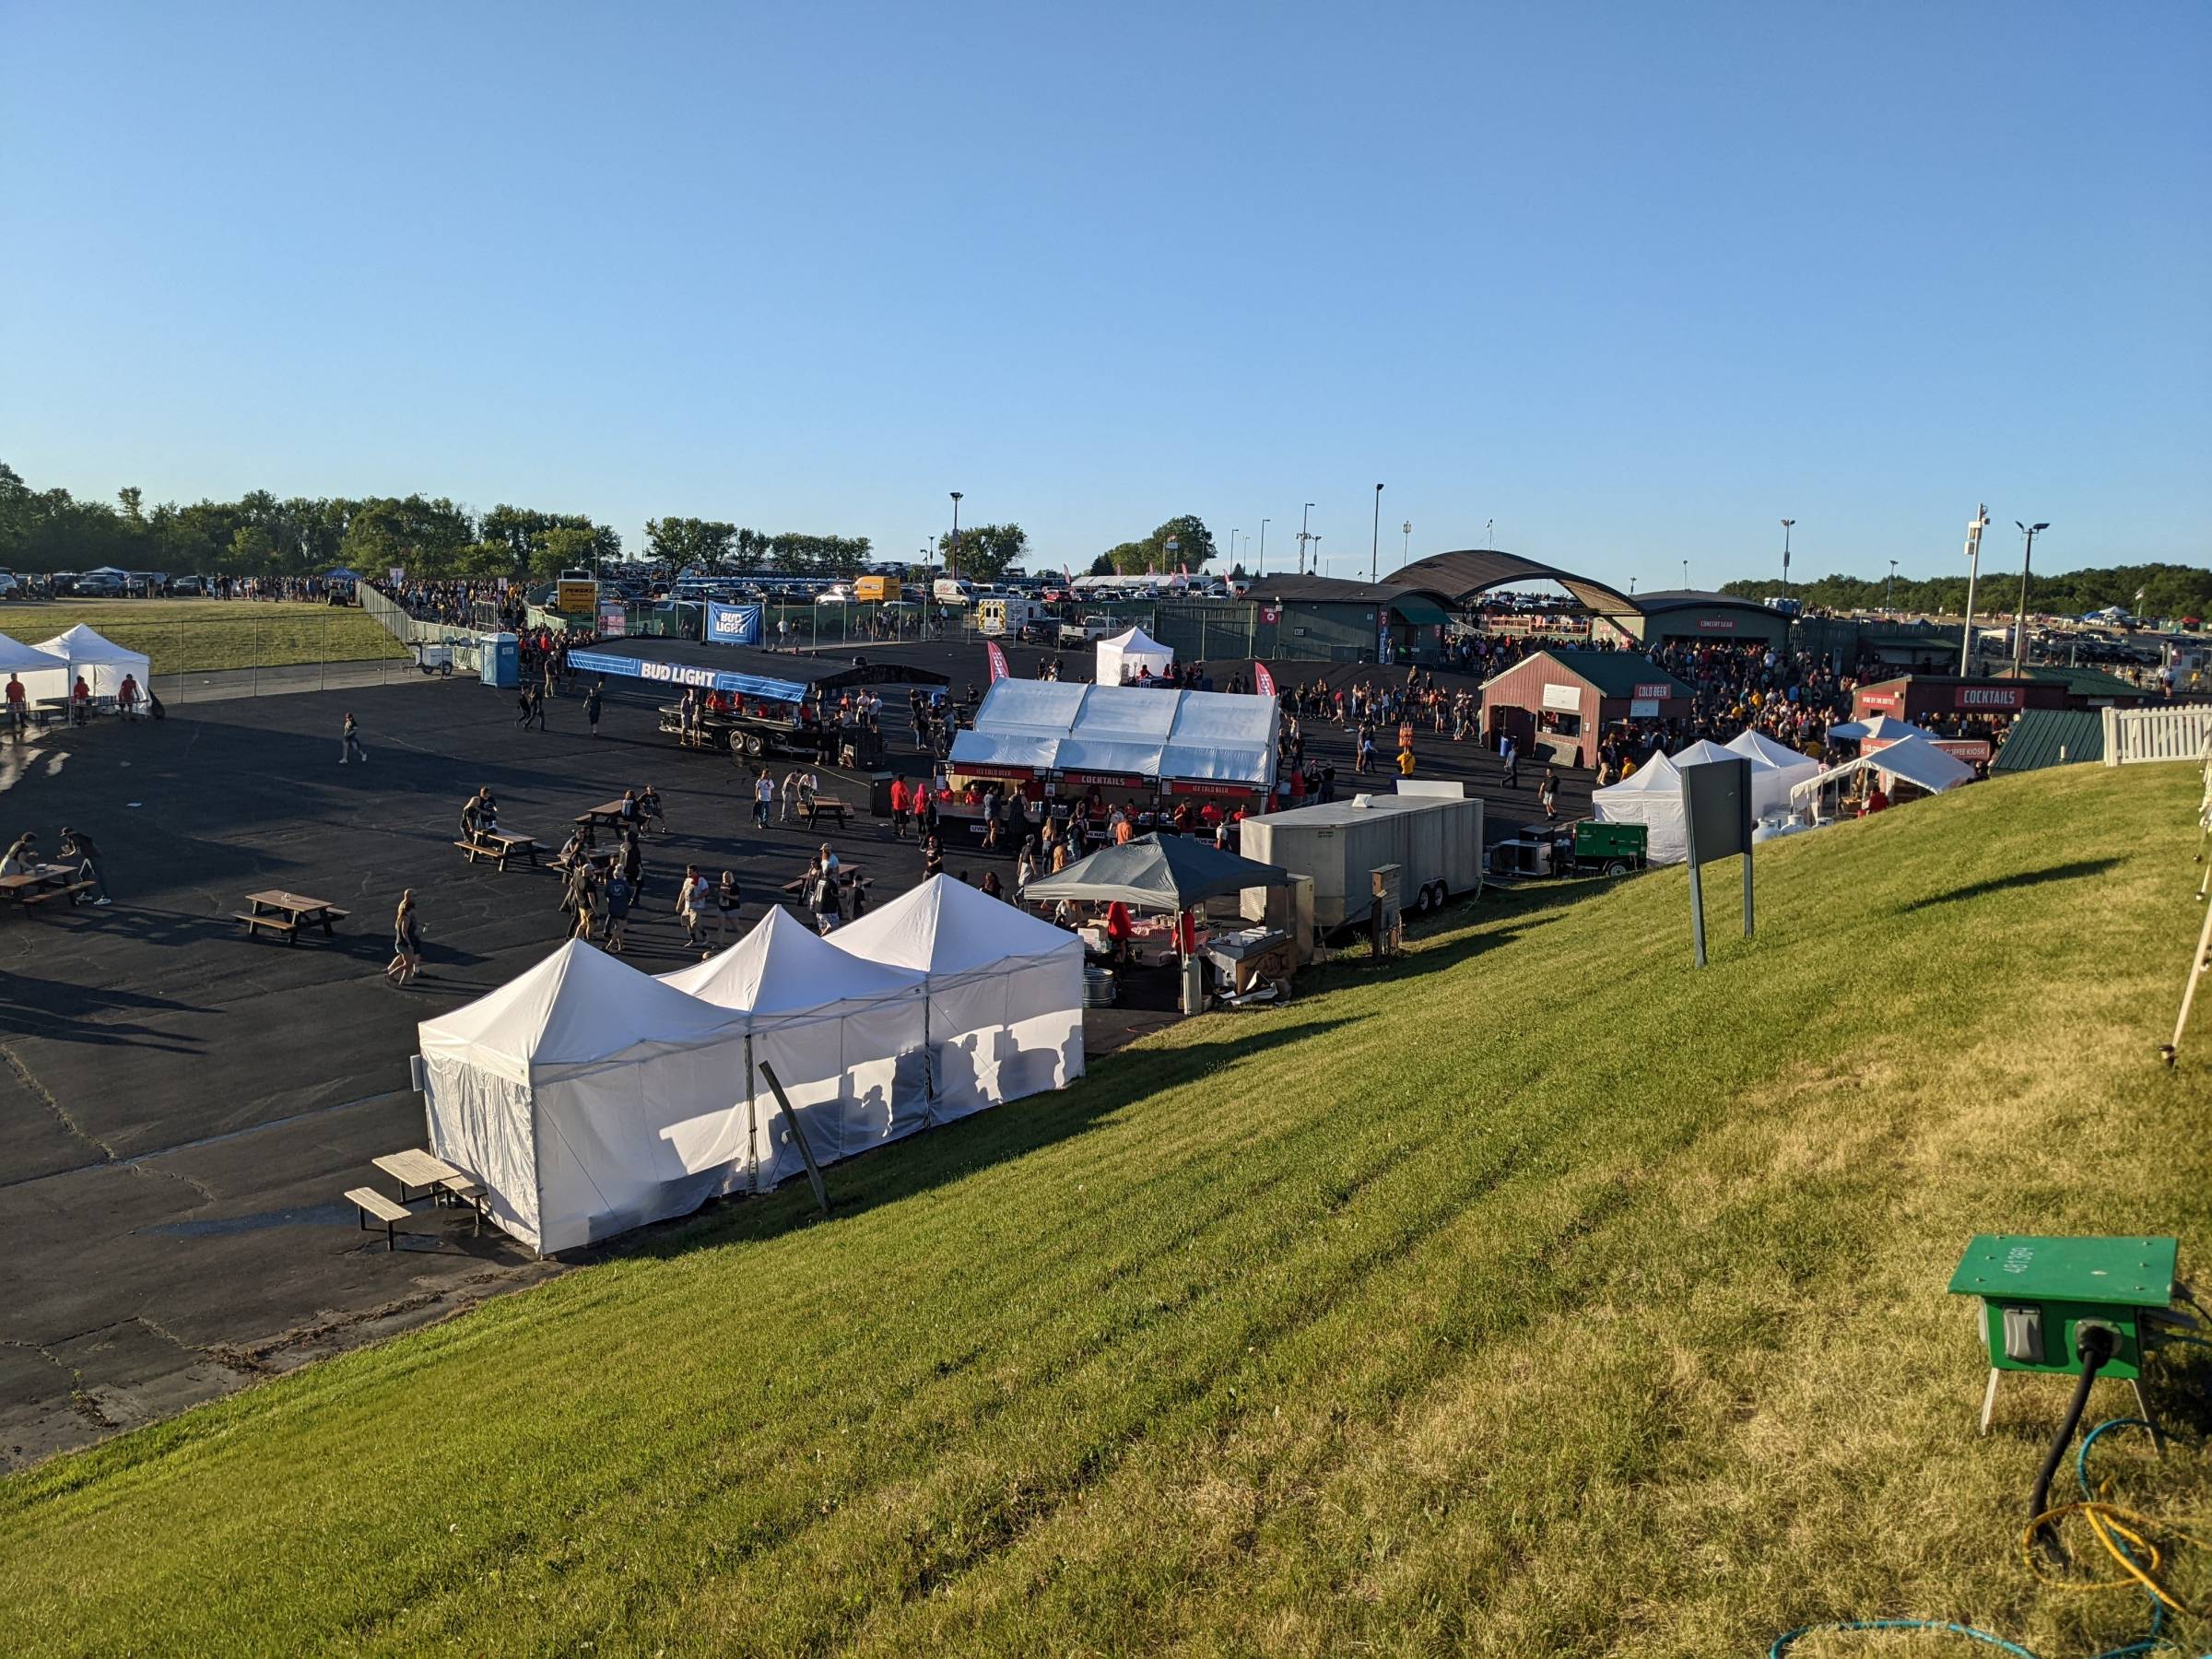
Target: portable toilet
{"points": [[500, 660]]}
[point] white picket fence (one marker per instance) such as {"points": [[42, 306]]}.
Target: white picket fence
{"points": [[2137, 734]]}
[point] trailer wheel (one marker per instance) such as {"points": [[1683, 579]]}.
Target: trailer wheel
{"points": [[755, 745], [1617, 867], [1421, 902], [1443, 896]]}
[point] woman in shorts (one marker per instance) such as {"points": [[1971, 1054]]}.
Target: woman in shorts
{"points": [[406, 942]]}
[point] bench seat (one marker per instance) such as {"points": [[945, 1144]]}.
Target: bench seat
{"points": [[368, 1202]]}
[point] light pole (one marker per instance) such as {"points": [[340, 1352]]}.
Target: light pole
{"points": [[1406, 551], [1889, 588], [2019, 640], [1785, 559], [1374, 545], [1966, 640], [1262, 570], [1232, 547], [1685, 575], [1303, 538], [952, 561], [1317, 541]]}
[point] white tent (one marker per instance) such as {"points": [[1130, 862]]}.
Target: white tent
{"points": [[1787, 769], [1047, 725], [588, 1098], [102, 662], [1916, 760], [845, 1038], [1883, 729], [1006, 992], [1650, 795], [18, 658], [1135, 650]]}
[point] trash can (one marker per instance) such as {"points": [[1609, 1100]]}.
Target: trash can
{"points": [[879, 794]]}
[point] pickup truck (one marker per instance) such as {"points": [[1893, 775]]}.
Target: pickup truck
{"points": [[1088, 630]]}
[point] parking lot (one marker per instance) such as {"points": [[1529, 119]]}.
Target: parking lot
{"points": [[183, 1106]]}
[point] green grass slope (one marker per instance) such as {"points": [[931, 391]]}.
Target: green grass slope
{"points": [[200, 636], [1537, 1296]]}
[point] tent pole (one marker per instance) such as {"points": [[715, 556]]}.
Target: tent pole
{"points": [[752, 1124]]}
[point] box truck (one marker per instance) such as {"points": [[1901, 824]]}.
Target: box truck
{"points": [[1432, 831]]}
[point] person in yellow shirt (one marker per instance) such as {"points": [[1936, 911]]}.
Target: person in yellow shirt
{"points": [[1405, 763]]}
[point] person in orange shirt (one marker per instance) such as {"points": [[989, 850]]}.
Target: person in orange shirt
{"points": [[902, 800], [1120, 928], [1123, 831]]}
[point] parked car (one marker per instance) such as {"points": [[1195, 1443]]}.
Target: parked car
{"points": [[188, 585], [99, 585]]}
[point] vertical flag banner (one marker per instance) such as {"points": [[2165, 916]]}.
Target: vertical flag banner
{"points": [[998, 661], [1262, 680]]}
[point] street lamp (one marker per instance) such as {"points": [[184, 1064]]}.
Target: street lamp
{"points": [[1303, 538], [1785, 557], [952, 561], [1685, 575], [2019, 644], [1406, 552], [1232, 547], [1262, 570], [1967, 640], [1374, 545], [1317, 541], [1889, 588]]}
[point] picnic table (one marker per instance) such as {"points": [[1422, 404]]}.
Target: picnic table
{"points": [[287, 913], [498, 847], [609, 814], [836, 809], [412, 1168], [37, 886]]}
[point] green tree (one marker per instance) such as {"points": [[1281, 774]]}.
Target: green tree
{"points": [[1193, 546], [690, 541], [985, 551]]}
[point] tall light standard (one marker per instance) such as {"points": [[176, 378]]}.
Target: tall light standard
{"points": [[952, 561], [1685, 575], [1889, 588], [1785, 558], [1261, 571], [1317, 541], [1232, 547], [1304, 539], [1406, 552], [1967, 640], [2019, 640], [1374, 545]]}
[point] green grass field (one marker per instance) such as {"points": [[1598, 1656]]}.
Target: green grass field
{"points": [[199, 635], [1537, 1296]]}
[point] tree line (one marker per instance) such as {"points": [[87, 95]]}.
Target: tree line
{"points": [[431, 537], [2167, 591]]}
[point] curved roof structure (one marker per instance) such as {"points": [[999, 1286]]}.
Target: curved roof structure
{"points": [[1460, 576], [1660, 600]]}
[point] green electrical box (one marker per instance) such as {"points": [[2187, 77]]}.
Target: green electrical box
{"points": [[2036, 1294]]}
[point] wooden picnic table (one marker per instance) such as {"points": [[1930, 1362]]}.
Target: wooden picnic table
{"points": [[37, 886], [840, 810], [498, 847], [415, 1167], [609, 813], [287, 913]]}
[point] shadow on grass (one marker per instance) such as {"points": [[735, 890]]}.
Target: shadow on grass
{"points": [[907, 1168], [2020, 878]]}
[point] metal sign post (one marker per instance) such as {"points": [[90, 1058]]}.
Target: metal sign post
{"points": [[1716, 823]]}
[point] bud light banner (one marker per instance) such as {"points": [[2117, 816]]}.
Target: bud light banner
{"points": [[998, 660], [1263, 681], [732, 624]]}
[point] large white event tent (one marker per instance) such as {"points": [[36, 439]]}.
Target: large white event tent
{"points": [[18, 659], [1770, 790], [1006, 992], [1916, 760], [1652, 794], [844, 1036], [1135, 650], [588, 1098], [1034, 727], [102, 662]]}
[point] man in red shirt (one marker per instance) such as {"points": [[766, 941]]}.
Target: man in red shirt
{"points": [[901, 802], [81, 695], [16, 706]]}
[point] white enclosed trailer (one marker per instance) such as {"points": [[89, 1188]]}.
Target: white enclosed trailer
{"points": [[1433, 833]]}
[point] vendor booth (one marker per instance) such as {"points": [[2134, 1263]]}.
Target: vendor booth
{"points": [[845, 1038], [1913, 762], [1004, 992], [1124, 658], [1066, 739], [101, 662], [1650, 795], [1770, 789], [588, 1098]]}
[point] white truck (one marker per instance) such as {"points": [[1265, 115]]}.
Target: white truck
{"points": [[1000, 614], [1432, 831]]}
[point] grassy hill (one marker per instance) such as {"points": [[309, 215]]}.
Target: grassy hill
{"points": [[202, 635], [1537, 1296]]}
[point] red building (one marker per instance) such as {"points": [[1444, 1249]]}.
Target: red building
{"points": [[1557, 704]]}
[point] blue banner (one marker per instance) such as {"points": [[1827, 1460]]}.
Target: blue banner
{"points": [[732, 624], [685, 674]]}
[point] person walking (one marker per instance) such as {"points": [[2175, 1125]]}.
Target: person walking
{"points": [[821, 896], [406, 942], [18, 707], [728, 897], [77, 848], [691, 898], [791, 796], [1547, 794], [1510, 752], [349, 748], [764, 797], [591, 705], [617, 912], [127, 696]]}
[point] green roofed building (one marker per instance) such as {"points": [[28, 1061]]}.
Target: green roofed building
{"points": [[2044, 737]]}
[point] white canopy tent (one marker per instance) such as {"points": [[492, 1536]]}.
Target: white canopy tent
{"points": [[845, 1037], [1883, 728], [588, 1098], [1776, 770], [1006, 992], [1135, 650], [18, 658], [102, 662], [1916, 760], [1048, 725], [1650, 795]]}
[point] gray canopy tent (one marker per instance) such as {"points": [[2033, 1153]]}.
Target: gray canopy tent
{"points": [[1153, 872]]}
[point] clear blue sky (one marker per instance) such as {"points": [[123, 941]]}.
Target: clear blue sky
{"points": [[1634, 281]]}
